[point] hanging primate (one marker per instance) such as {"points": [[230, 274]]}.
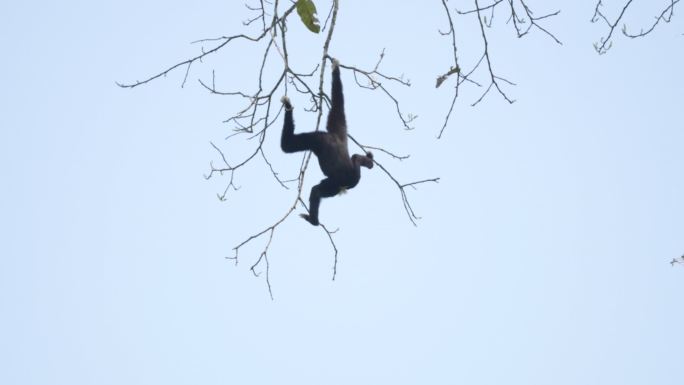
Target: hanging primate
{"points": [[330, 147]]}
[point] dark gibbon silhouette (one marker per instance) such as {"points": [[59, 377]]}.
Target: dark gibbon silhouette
{"points": [[330, 147]]}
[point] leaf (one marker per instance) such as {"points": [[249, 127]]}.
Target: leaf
{"points": [[307, 12]]}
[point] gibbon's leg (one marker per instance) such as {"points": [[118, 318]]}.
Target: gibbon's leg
{"points": [[327, 188], [290, 142], [337, 124]]}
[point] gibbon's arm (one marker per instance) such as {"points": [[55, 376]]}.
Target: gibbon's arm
{"points": [[291, 142], [337, 123]]}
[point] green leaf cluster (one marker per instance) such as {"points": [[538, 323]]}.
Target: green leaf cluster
{"points": [[307, 12]]}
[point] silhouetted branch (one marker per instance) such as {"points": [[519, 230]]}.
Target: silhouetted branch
{"points": [[225, 40], [374, 79], [397, 157], [606, 42], [492, 76], [523, 19], [401, 186]]}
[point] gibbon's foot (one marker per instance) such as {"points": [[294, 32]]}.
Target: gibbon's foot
{"points": [[286, 102], [335, 63], [309, 219]]}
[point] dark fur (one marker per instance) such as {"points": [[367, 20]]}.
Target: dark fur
{"points": [[330, 147]]}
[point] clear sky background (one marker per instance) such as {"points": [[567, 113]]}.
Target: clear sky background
{"points": [[542, 256]]}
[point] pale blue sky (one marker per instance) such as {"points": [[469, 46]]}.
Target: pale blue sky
{"points": [[542, 256]]}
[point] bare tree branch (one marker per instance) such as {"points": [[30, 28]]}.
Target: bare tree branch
{"points": [[454, 69], [374, 82], [492, 76], [523, 19], [225, 40], [665, 15], [401, 186], [606, 42]]}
